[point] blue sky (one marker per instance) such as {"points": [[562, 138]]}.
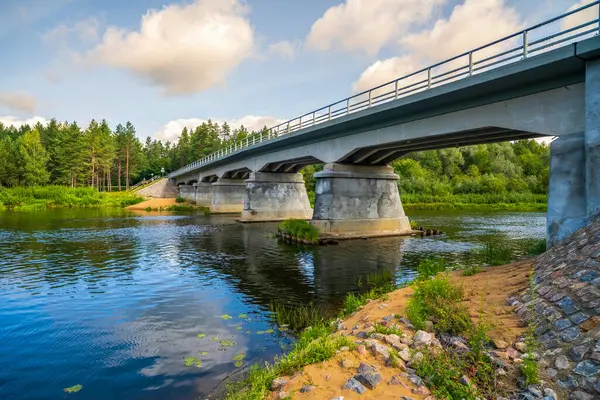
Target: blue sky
{"points": [[253, 61]]}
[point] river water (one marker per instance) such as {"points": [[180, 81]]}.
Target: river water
{"points": [[114, 301]]}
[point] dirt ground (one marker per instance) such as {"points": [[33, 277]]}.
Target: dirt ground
{"points": [[152, 203], [486, 293]]}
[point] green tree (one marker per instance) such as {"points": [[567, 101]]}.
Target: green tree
{"points": [[34, 159]]}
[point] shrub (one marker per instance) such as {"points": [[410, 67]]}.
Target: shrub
{"points": [[537, 247], [496, 253], [148, 208], [180, 199], [430, 267], [472, 270], [300, 229]]}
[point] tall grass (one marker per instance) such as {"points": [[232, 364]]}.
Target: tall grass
{"points": [[297, 317], [43, 197], [497, 253], [476, 198], [537, 247], [299, 229]]}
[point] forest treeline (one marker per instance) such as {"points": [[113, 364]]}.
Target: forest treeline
{"points": [[63, 153], [96, 156]]}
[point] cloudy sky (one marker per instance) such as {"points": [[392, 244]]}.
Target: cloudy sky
{"points": [[165, 64]]}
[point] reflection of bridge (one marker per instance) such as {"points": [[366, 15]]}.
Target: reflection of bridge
{"points": [[543, 81]]}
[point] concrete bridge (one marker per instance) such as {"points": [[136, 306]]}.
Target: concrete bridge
{"points": [[542, 81]]}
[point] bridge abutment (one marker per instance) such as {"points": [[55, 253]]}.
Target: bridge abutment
{"points": [[228, 196], [358, 201], [204, 193], [188, 192], [592, 136], [271, 196]]}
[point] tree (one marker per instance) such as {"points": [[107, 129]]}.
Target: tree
{"points": [[34, 158]]}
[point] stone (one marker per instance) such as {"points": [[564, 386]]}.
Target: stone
{"points": [[362, 368], [568, 335], [578, 352], [568, 382], [422, 390], [551, 373], [346, 363], [362, 335], [512, 353], [361, 349], [397, 381], [500, 344], [587, 368], [369, 379], [355, 386], [578, 318], [282, 395], [338, 398], [534, 390], [415, 380], [404, 355], [307, 388], [580, 395], [563, 324], [421, 338], [381, 350], [550, 394], [500, 372], [521, 346], [416, 358], [567, 305], [406, 398], [561, 362], [278, 383], [590, 324], [464, 380]]}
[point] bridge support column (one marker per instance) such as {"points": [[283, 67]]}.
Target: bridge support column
{"points": [[358, 201], [188, 192], [273, 196], [228, 196], [592, 136], [204, 192]]}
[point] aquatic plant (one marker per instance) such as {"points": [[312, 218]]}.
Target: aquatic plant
{"points": [[148, 208], [203, 353], [299, 229], [497, 253], [239, 357], [228, 343], [201, 335], [214, 339], [192, 361], [73, 389], [226, 316], [242, 316], [296, 317]]}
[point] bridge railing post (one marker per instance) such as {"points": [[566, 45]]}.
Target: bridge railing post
{"points": [[396, 90], [525, 44], [329, 113], [428, 78], [470, 63], [348, 106]]}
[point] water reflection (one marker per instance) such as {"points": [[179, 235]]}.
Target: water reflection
{"points": [[115, 301]]}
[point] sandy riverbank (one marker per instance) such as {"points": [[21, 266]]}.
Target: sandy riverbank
{"points": [[152, 203]]}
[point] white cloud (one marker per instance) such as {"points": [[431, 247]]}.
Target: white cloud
{"points": [[17, 122], [470, 25], [587, 15], [182, 48], [18, 101], [284, 49], [86, 31], [368, 25], [172, 129]]}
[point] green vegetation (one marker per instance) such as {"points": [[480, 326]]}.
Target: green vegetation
{"points": [[387, 330], [148, 208], [192, 361], [430, 267], [297, 317], [228, 343], [180, 199], [315, 344], [180, 208], [378, 285], [226, 316], [299, 229], [537, 247], [73, 389], [497, 253], [471, 270], [41, 198]]}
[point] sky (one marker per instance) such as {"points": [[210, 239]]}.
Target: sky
{"points": [[166, 64]]}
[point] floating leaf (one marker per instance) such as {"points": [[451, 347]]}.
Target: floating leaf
{"points": [[260, 332], [201, 335], [191, 360], [73, 389], [269, 331], [283, 329], [239, 357], [203, 353], [242, 316], [238, 364], [238, 328], [214, 338], [226, 316], [228, 343]]}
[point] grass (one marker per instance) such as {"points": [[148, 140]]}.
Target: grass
{"points": [[299, 229], [378, 285], [430, 267], [537, 247], [496, 253], [177, 207], [471, 270], [501, 201], [387, 330], [180, 199], [45, 197], [297, 317], [314, 345]]}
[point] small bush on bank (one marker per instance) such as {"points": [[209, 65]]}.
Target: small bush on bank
{"points": [[472, 270], [180, 199], [537, 247], [497, 253], [299, 229], [430, 267]]}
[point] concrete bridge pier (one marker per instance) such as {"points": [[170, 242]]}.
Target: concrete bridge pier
{"points": [[355, 201], [204, 193], [272, 196], [188, 192], [228, 195]]}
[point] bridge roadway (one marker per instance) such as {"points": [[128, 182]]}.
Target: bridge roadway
{"points": [[554, 93]]}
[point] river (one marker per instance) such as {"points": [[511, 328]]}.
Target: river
{"points": [[114, 301]]}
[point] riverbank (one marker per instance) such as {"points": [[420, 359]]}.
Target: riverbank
{"points": [[164, 204], [378, 353], [46, 197], [492, 202]]}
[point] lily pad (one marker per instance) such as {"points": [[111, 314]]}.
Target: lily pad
{"points": [[260, 332], [201, 335], [203, 353], [226, 316], [191, 360], [214, 338], [238, 328], [242, 316], [269, 331], [228, 343], [238, 364], [73, 389], [239, 357]]}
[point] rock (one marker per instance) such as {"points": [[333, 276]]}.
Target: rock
{"points": [[521, 346], [568, 382], [397, 381], [561, 362], [369, 379], [464, 380], [362, 368], [422, 390], [580, 395], [566, 304], [404, 355], [429, 326], [362, 335], [563, 324], [361, 349], [500, 344], [406, 398], [391, 339], [551, 373], [399, 346], [344, 348], [338, 398], [534, 390], [578, 352], [383, 306], [512, 353], [406, 322], [587, 368], [550, 393], [355, 386], [389, 318], [278, 383], [421, 338], [282, 395], [341, 327], [590, 323], [415, 380], [347, 363], [328, 378], [307, 388], [568, 335], [578, 318], [500, 372], [416, 358], [380, 349]]}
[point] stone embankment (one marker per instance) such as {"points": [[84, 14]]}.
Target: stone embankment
{"points": [[161, 189], [565, 307]]}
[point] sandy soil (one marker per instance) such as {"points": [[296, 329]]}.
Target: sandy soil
{"points": [[486, 294], [152, 203]]}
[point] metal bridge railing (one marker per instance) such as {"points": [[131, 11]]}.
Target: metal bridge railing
{"points": [[518, 46]]}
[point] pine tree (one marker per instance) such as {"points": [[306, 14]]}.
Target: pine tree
{"points": [[34, 158]]}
